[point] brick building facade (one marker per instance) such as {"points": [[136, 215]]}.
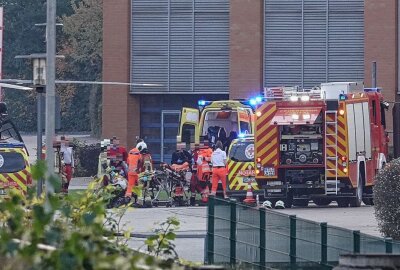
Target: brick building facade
{"points": [[129, 112]]}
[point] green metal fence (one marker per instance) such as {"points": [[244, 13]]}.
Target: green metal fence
{"points": [[251, 238]]}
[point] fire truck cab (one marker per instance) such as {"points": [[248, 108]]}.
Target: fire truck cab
{"points": [[321, 144], [216, 120]]}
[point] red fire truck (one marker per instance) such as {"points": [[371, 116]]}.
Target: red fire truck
{"points": [[322, 144]]}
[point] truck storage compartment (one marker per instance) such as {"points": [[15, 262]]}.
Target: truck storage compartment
{"points": [[301, 145]]}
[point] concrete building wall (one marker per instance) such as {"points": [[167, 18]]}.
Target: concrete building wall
{"points": [[121, 111], [380, 46], [246, 48]]}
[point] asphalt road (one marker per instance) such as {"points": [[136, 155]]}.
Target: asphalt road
{"points": [[190, 235], [190, 242], [361, 218], [192, 231]]}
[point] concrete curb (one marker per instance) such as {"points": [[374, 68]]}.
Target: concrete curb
{"points": [[182, 234]]}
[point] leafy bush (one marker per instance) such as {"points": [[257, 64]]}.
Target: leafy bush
{"points": [[72, 232], [86, 158], [387, 199], [161, 243]]}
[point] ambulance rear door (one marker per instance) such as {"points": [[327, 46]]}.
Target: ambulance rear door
{"points": [[189, 127], [245, 121]]}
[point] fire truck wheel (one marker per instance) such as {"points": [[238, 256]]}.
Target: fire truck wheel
{"points": [[301, 202], [343, 202], [322, 201], [368, 201], [289, 201]]}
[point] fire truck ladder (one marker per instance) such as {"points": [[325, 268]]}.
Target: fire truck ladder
{"points": [[331, 154]]}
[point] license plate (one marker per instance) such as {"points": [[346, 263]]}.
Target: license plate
{"points": [[269, 171], [248, 179], [275, 190], [274, 183]]}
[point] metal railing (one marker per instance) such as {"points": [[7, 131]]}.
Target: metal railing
{"points": [[249, 238]]}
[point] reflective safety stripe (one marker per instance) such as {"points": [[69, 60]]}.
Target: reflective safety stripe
{"points": [[237, 171], [266, 138], [18, 179], [341, 143]]}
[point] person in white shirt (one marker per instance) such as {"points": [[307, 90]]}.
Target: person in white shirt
{"points": [[218, 160], [67, 155]]}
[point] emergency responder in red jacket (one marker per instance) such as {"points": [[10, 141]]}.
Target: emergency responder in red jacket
{"points": [[115, 149], [201, 174], [134, 158]]}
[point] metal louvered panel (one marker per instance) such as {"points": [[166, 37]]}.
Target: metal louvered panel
{"points": [[314, 46], [150, 51], [283, 40], [181, 44], [181, 6], [181, 50], [153, 6], [211, 52], [211, 5], [346, 40], [326, 41]]}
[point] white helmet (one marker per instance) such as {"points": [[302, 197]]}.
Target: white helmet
{"points": [[280, 205], [267, 204], [140, 146]]}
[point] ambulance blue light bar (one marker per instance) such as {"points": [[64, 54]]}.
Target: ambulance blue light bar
{"points": [[342, 97], [203, 102], [11, 145], [241, 135]]}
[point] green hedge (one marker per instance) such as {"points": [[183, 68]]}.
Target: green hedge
{"points": [[86, 158]]}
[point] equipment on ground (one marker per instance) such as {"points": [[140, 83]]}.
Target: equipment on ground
{"points": [[279, 205], [167, 186], [321, 144], [267, 204]]}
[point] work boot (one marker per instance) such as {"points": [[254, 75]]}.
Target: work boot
{"points": [[192, 201], [127, 200]]}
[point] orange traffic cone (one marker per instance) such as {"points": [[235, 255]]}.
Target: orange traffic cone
{"points": [[249, 195]]}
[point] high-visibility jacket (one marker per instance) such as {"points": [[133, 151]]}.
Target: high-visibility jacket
{"points": [[203, 166], [146, 162], [133, 161]]}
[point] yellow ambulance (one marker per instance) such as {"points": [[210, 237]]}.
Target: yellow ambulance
{"points": [[241, 166]]}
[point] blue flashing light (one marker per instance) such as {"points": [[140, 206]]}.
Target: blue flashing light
{"points": [[253, 102], [342, 97], [201, 103], [11, 145], [241, 135], [258, 99]]}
